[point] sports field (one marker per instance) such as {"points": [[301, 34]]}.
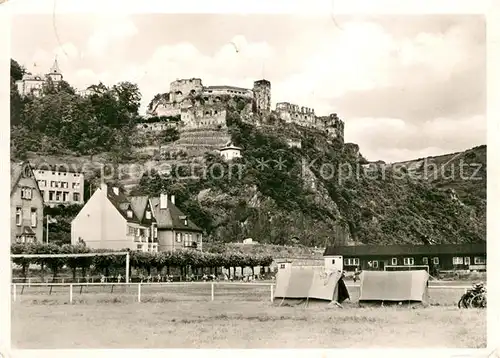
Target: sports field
{"points": [[241, 316]]}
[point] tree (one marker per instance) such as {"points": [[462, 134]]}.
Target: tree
{"points": [[16, 70]]}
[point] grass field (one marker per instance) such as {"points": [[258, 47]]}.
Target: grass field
{"points": [[239, 317]]}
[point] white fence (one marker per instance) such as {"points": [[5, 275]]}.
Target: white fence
{"points": [[137, 287], [185, 290]]}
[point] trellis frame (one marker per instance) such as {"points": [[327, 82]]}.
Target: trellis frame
{"points": [[119, 253]]}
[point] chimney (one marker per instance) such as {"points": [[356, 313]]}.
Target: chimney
{"points": [[104, 187], [163, 201], [116, 190], [172, 199]]}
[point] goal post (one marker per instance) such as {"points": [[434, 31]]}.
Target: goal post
{"points": [[406, 267], [92, 254]]}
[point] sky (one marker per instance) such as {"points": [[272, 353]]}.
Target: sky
{"points": [[406, 86]]}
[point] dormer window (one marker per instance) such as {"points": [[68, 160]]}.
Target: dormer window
{"points": [[148, 214], [130, 214]]}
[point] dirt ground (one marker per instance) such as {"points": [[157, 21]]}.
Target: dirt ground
{"points": [[239, 317]]}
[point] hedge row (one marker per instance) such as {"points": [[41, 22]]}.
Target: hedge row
{"points": [[181, 259]]}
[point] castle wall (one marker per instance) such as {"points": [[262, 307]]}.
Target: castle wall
{"points": [[227, 91], [181, 89], [292, 113], [154, 127], [203, 117], [167, 109]]}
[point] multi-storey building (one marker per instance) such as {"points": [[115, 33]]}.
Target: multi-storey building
{"points": [[26, 204], [33, 84], [60, 185], [112, 220]]}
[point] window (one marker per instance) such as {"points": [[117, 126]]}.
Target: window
{"points": [[467, 260], [375, 264], [478, 260], [435, 260], [139, 247], [58, 196], [131, 230], [178, 237], [282, 266], [19, 216], [333, 261], [52, 184], [42, 193], [33, 217], [155, 232], [129, 213], [76, 185], [26, 193], [42, 182], [76, 196], [351, 262], [64, 185], [408, 261], [458, 261], [65, 196], [148, 214], [51, 195], [425, 260], [394, 261]]}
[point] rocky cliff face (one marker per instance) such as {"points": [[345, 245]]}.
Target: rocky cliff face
{"points": [[323, 193]]}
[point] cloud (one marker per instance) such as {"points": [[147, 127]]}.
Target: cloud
{"points": [[405, 87], [108, 31], [395, 139]]}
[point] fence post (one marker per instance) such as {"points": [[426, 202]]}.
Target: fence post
{"points": [[139, 292], [14, 291], [272, 292], [29, 282], [70, 293], [62, 280], [212, 293]]}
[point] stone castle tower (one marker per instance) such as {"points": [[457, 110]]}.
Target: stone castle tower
{"points": [[262, 97]]}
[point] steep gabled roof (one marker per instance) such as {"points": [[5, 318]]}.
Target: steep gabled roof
{"points": [[139, 204], [122, 204], [15, 172], [171, 217], [55, 68]]}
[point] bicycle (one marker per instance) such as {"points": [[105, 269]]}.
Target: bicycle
{"points": [[474, 298]]}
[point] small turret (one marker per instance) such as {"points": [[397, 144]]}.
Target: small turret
{"points": [[55, 73]]}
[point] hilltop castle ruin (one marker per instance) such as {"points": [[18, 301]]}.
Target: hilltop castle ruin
{"points": [[203, 107]]}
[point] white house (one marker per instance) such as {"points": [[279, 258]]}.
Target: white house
{"points": [[230, 151], [111, 220], [60, 185]]}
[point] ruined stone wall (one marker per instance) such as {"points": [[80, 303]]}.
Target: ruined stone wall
{"points": [[167, 109], [292, 113], [180, 89], [154, 127], [334, 127], [203, 117]]}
